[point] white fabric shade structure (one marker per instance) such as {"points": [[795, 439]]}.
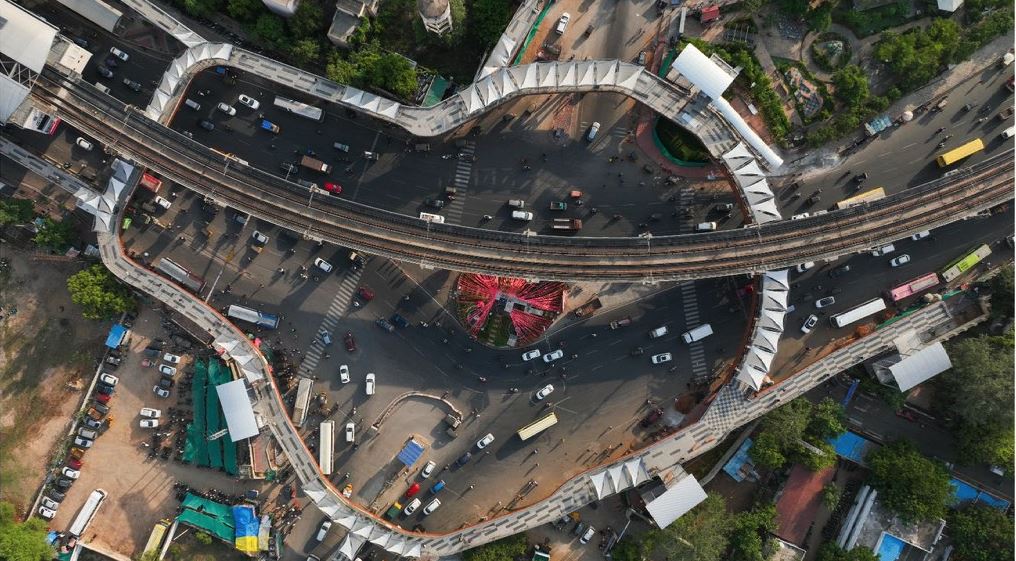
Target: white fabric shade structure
{"points": [[920, 366], [949, 5], [698, 69], [178, 73], [246, 363], [754, 186], [103, 206], [676, 501], [25, 42], [618, 477], [237, 409], [168, 23], [765, 338]]}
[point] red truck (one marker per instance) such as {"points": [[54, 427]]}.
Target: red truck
{"points": [[150, 182]]}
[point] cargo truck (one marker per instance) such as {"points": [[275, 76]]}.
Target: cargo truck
{"points": [[315, 164], [269, 126], [566, 224]]}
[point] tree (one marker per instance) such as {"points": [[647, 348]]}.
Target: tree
{"points": [[203, 538], [700, 535], [767, 451], [308, 21], [794, 8], [831, 552], [54, 235], [628, 549], [911, 485], [488, 19], [979, 387], [851, 85], [827, 421], [394, 73], [991, 445], [99, 294], [245, 10], [305, 51], [820, 17], [269, 28], [750, 533], [980, 533], [15, 211], [754, 7], [831, 495], [783, 432], [1002, 293], [505, 548], [341, 70], [25, 541]]}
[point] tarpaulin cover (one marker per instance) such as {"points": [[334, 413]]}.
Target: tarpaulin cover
{"points": [[116, 336], [210, 516], [852, 446], [963, 491], [247, 525], [410, 453]]}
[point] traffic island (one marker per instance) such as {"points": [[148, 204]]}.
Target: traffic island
{"points": [[505, 311]]}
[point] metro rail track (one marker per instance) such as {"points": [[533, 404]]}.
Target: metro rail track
{"points": [[633, 259]]}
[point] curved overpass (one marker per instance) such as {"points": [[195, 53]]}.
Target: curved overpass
{"points": [[747, 250]]}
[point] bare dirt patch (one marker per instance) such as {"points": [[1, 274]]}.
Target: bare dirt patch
{"points": [[46, 347]]}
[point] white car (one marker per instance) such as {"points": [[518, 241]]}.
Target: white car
{"points": [[164, 203], [108, 379], [411, 507], [323, 265], [551, 357], [350, 432], [544, 391], [562, 23], [323, 531], [46, 513], [809, 323], [825, 302], [805, 266], [160, 391], [119, 54], [587, 536], [883, 250], [167, 370], [171, 358], [149, 423], [801, 216], [151, 413], [50, 503], [259, 238], [661, 358], [485, 441], [432, 506], [900, 261], [344, 374], [226, 108], [83, 143], [249, 101], [369, 387], [428, 469], [84, 442], [530, 355], [921, 235], [71, 473]]}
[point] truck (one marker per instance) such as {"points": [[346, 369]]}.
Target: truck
{"points": [[572, 224], [270, 126], [315, 164], [588, 308], [1006, 59], [1005, 113], [151, 182]]}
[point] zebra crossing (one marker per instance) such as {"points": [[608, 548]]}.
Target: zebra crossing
{"points": [[339, 306], [463, 170], [689, 300]]}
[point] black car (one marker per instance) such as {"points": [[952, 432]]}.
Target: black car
{"points": [[464, 459], [637, 351], [135, 86], [83, 43], [57, 496], [434, 203], [105, 72], [105, 389], [64, 483], [206, 124], [152, 352], [399, 321], [839, 271], [112, 61], [166, 383]]}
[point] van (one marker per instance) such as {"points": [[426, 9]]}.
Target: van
{"points": [[522, 215], [516, 203], [884, 250], [87, 433], [102, 87], [697, 334], [192, 104], [1009, 132], [658, 332], [428, 217], [592, 131], [705, 227]]}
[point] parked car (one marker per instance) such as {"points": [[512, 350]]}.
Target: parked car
{"points": [[131, 84], [369, 384], [551, 357], [103, 397], [249, 101], [428, 469], [809, 323], [119, 54], [150, 413], [530, 355], [104, 71], [431, 507], [899, 261], [171, 358], [411, 507], [921, 235], [485, 441], [344, 374], [46, 513], [108, 379], [50, 503], [464, 459], [206, 124], [70, 473], [83, 442], [226, 108], [839, 271], [149, 423], [590, 532], [544, 391], [825, 302], [562, 23], [323, 530], [167, 370], [259, 238], [104, 389], [160, 391], [651, 418], [56, 495], [83, 143], [804, 266], [92, 423]]}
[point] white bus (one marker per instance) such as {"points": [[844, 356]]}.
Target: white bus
{"points": [[538, 426], [87, 513], [303, 392], [325, 447], [301, 109], [428, 217], [253, 316], [858, 312]]}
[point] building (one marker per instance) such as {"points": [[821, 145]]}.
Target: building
{"points": [[284, 8], [911, 365], [709, 14], [872, 527], [436, 15], [346, 20]]}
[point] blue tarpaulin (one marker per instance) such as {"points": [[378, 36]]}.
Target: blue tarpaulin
{"points": [[116, 335], [852, 446], [963, 491], [410, 453], [735, 467]]}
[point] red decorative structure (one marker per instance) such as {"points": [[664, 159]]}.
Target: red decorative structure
{"points": [[529, 308]]}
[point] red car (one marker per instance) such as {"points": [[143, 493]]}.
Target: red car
{"points": [[350, 341], [907, 414], [333, 188], [74, 463], [102, 398], [365, 293], [413, 489]]}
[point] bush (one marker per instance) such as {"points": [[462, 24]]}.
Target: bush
{"points": [[679, 143], [504, 549], [909, 484], [99, 294], [203, 538]]}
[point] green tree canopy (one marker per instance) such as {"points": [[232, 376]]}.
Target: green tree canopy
{"points": [[500, 550], [55, 235], [487, 20], [305, 51], [751, 530], [245, 10], [1002, 296], [979, 387], [820, 17], [628, 549], [99, 294], [831, 552], [700, 535], [15, 211], [308, 21], [270, 29], [911, 485], [851, 85], [24, 541], [784, 430], [827, 421], [917, 55], [980, 533]]}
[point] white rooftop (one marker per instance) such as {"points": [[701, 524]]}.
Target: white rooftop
{"points": [[237, 409], [676, 501], [708, 76], [23, 37], [921, 366]]}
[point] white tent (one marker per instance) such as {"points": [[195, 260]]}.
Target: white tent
{"points": [[921, 366], [237, 409], [618, 477], [709, 77]]}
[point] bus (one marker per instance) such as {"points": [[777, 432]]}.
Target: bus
{"points": [[858, 313], [913, 286], [865, 197], [260, 319], [155, 538], [538, 426], [303, 392], [965, 263], [325, 447], [956, 154], [301, 109], [87, 513], [181, 275], [428, 217]]}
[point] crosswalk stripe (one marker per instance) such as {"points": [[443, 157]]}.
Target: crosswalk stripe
{"points": [[340, 303]]}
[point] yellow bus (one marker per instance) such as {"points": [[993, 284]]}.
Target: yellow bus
{"points": [[155, 538], [538, 426], [957, 154], [867, 196]]}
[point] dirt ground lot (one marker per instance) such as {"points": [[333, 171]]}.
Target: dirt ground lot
{"points": [[139, 489], [44, 346]]}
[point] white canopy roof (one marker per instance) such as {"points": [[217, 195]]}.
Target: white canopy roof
{"points": [[949, 5], [921, 366], [765, 337], [676, 501], [619, 477], [709, 77], [237, 409], [96, 11], [26, 39]]}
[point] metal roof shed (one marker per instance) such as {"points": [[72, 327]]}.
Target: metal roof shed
{"points": [[410, 453], [921, 366], [676, 501], [237, 408]]}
